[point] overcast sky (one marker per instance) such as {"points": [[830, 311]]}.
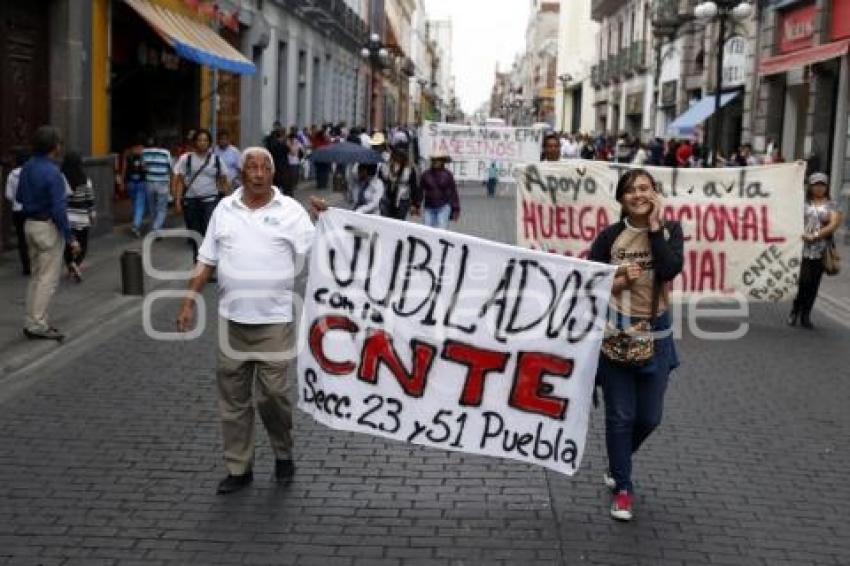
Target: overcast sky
{"points": [[484, 32]]}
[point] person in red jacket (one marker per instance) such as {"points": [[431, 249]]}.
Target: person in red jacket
{"points": [[683, 154]]}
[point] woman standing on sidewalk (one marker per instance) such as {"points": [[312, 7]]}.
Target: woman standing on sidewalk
{"points": [[80, 211], [821, 218], [199, 176], [648, 253]]}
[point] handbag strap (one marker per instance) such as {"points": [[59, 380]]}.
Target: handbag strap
{"points": [[656, 288]]}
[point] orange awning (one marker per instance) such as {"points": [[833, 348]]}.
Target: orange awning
{"points": [[810, 56]]}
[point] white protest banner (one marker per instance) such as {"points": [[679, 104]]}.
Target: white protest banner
{"points": [[742, 226], [446, 340], [473, 148]]}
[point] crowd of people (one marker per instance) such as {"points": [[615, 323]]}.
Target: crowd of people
{"points": [[219, 188], [657, 151]]}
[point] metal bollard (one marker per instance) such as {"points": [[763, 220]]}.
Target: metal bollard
{"points": [[132, 274]]}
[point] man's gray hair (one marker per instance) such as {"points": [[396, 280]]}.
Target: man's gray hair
{"points": [[248, 151]]}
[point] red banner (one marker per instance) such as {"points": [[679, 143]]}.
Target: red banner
{"points": [[796, 29]]}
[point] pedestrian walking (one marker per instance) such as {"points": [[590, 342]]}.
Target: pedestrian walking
{"points": [[294, 153], [158, 165], [438, 193], [253, 240], [41, 192], [821, 218], [200, 176], [638, 352], [18, 219], [492, 178], [551, 147], [81, 212], [369, 190], [133, 177], [400, 184], [229, 155]]}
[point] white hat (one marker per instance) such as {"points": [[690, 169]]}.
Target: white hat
{"points": [[816, 178]]}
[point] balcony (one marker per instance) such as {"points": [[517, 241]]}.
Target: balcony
{"points": [[639, 56], [615, 67], [627, 61], [600, 9], [603, 73]]}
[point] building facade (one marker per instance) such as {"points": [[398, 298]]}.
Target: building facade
{"points": [[541, 40], [803, 95], [622, 75], [574, 111]]}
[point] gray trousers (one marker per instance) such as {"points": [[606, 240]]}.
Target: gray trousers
{"points": [[236, 385]]}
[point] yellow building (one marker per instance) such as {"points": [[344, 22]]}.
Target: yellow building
{"points": [[152, 73]]}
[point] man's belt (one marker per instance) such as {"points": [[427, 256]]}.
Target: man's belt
{"points": [[39, 217]]}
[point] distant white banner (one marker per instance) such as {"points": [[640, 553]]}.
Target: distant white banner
{"points": [[450, 341], [742, 226], [474, 148]]}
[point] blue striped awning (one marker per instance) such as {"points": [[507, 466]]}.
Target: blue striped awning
{"points": [[684, 125], [192, 40]]}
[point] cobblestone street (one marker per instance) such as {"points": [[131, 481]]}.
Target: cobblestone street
{"points": [[112, 457]]}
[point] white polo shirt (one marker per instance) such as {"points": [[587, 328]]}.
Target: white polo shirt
{"points": [[255, 252]]}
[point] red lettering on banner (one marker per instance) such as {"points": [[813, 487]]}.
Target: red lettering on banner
{"points": [[322, 326], [563, 222], [704, 271], [719, 223], [378, 349], [530, 393], [479, 363]]}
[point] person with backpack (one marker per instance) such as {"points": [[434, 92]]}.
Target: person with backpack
{"points": [[18, 219], [200, 179], [638, 352], [400, 183], [369, 190], [133, 177], [80, 206]]}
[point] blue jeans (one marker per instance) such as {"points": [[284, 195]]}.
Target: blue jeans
{"points": [[158, 202], [634, 401], [437, 217], [136, 190]]}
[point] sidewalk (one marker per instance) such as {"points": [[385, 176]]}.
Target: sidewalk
{"points": [[91, 310]]}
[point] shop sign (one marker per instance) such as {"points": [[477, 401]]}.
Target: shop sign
{"points": [[634, 103], [153, 57], [668, 93], [734, 62], [797, 28], [840, 19]]}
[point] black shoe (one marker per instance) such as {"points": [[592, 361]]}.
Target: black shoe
{"points": [[284, 470], [806, 322], [49, 334], [232, 484], [792, 318]]}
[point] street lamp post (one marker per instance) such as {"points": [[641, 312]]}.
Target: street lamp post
{"points": [[666, 22], [565, 79], [375, 52], [722, 11]]}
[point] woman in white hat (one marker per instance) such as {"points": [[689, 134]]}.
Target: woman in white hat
{"points": [[821, 219]]}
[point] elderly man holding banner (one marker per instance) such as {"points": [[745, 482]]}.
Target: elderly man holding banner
{"points": [[254, 239]]}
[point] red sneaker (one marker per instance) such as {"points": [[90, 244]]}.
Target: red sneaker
{"points": [[621, 507]]}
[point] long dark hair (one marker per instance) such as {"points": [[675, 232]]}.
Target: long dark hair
{"points": [[809, 191], [626, 182], [72, 168]]}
